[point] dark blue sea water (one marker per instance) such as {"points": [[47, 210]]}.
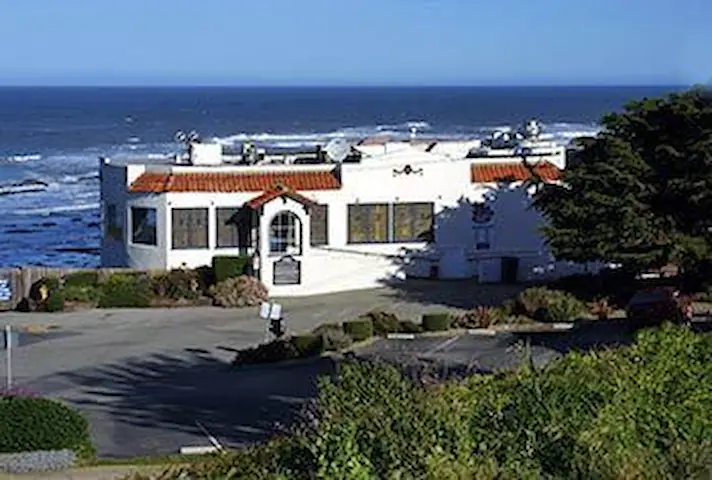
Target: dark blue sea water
{"points": [[55, 136]]}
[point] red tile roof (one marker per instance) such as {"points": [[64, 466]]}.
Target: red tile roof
{"points": [[511, 171], [272, 194], [156, 182]]}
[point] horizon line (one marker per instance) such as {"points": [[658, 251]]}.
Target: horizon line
{"points": [[363, 86]]}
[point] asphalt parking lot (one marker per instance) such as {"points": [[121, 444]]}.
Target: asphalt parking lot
{"points": [[146, 378]]}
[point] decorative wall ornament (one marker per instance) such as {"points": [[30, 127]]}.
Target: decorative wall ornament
{"points": [[407, 170], [482, 213]]}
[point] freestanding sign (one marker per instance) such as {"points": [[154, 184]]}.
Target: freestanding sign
{"points": [[272, 312], [5, 290]]}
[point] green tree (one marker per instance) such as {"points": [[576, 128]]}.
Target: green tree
{"points": [[640, 193]]}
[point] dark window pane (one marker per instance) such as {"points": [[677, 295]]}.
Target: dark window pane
{"points": [[368, 223], [319, 224], [228, 234], [143, 226], [412, 222], [189, 228]]}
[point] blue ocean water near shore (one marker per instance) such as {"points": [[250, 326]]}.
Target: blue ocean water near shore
{"points": [[54, 136]]}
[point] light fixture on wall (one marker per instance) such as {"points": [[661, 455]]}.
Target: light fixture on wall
{"points": [[407, 170]]}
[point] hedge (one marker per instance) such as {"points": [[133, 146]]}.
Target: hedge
{"points": [[437, 322], [89, 278], [30, 424], [225, 267], [359, 329], [125, 291]]}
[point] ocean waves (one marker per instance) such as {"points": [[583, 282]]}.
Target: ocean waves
{"points": [[50, 202]]}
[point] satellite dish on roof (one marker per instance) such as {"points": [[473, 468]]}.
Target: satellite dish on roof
{"points": [[193, 136], [338, 149]]}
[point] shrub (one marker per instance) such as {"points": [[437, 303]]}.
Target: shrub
{"points": [[45, 296], [335, 340], [55, 302], [544, 305], [480, 317], [359, 329], [242, 291], [225, 267], [177, 284], [601, 309], [326, 328], [383, 322], [125, 291], [89, 278], [409, 326], [308, 345], [275, 351], [437, 322], [81, 293], [30, 424]]}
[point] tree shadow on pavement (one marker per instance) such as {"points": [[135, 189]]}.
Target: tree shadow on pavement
{"points": [[166, 395], [592, 336]]}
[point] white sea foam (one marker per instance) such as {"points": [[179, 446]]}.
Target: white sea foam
{"points": [[560, 132], [58, 209], [21, 158]]}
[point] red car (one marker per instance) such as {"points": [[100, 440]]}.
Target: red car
{"points": [[657, 305]]}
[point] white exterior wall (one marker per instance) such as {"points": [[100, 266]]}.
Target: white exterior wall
{"points": [[342, 266]]}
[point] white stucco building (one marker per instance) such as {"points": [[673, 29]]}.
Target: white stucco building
{"points": [[381, 212]]}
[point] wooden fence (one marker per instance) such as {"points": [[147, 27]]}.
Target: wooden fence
{"points": [[15, 283]]}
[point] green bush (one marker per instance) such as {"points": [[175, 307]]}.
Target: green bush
{"points": [[89, 278], [30, 424], [326, 328], [383, 322], [55, 302], [225, 267], [308, 345], [81, 293], [437, 322], [334, 340], [409, 326], [359, 329], [125, 291], [544, 305]]}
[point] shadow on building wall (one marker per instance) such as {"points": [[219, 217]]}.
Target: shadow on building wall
{"points": [[484, 252]]}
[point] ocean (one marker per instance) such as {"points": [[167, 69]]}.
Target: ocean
{"points": [[53, 137]]}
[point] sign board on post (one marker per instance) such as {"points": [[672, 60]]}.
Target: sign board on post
{"points": [[264, 310], [287, 271], [5, 290], [10, 339], [276, 312]]}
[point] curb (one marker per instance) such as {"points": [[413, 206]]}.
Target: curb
{"points": [[488, 332]]}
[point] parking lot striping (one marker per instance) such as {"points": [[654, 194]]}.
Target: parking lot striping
{"points": [[442, 345], [198, 450], [486, 332], [400, 336]]}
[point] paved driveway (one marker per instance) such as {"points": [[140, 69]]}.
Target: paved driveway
{"points": [[144, 377]]}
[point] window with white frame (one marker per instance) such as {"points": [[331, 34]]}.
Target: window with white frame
{"points": [[285, 235]]}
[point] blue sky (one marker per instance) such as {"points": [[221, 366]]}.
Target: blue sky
{"points": [[355, 42]]}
